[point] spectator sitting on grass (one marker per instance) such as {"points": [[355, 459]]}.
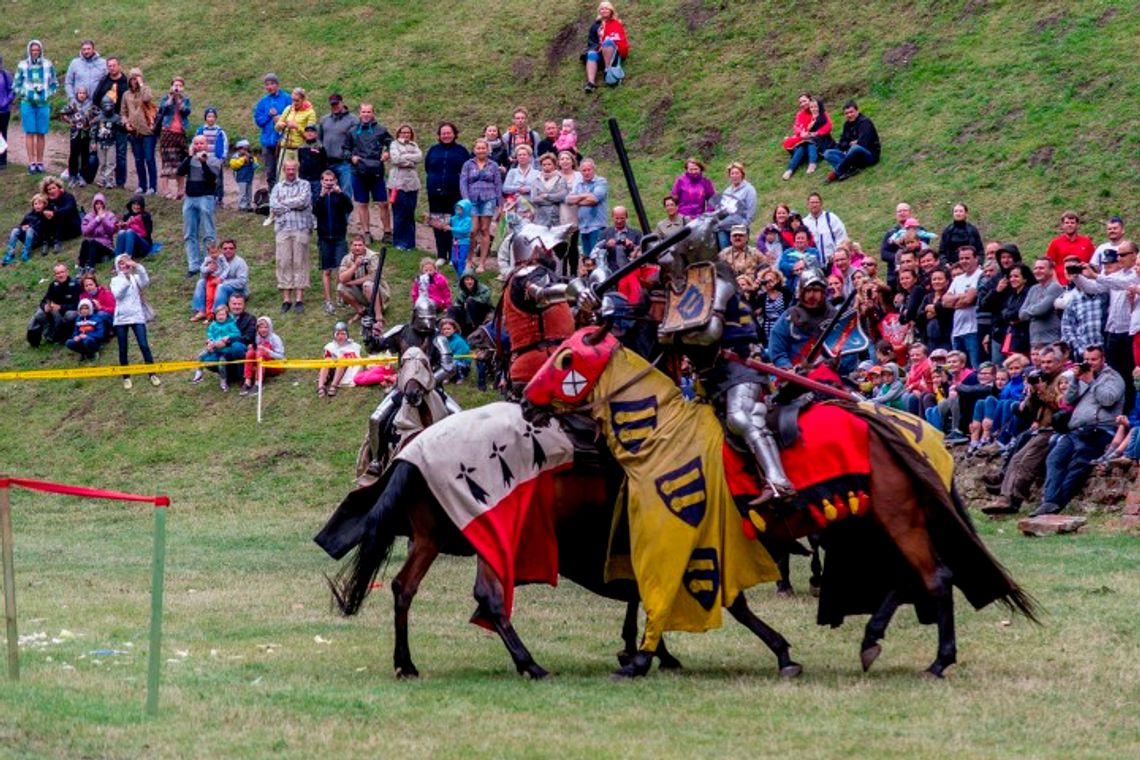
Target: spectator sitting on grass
{"points": [[55, 317], [267, 346], [99, 227], [135, 230], [29, 231], [62, 213], [88, 335], [859, 145], [340, 347], [607, 44], [221, 334], [354, 280], [449, 328]]}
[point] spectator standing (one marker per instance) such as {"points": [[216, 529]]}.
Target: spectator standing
{"points": [[132, 312], [620, 242], [312, 160], [606, 44], [673, 221], [1016, 335], [244, 164], [54, 320], [481, 183], [292, 122], [405, 157], [331, 209], [1119, 275], [139, 120], [959, 233], [693, 190], [1096, 395], [889, 248], [442, 166], [962, 296], [498, 145], [548, 192], [1082, 324], [201, 170], [173, 123], [519, 178], [743, 259], [549, 141], [859, 145], [520, 133], [79, 115], [334, 129], [936, 319], [826, 228], [568, 168], [1069, 243], [218, 143], [290, 204], [367, 147], [993, 297], [136, 230], [86, 70], [106, 129], [114, 86], [1038, 310], [1114, 231], [591, 196], [744, 194], [35, 84], [265, 113], [7, 95]]}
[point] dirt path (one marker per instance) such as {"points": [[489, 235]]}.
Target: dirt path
{"points": [[57, 147]]}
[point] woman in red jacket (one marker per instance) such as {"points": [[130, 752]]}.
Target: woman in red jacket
{"points": [[605, 42]]}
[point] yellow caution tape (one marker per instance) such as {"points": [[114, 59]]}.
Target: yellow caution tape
{"points": [[80, 373]]}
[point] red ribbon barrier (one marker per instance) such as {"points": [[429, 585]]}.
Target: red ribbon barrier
{"points": [[89, 493]]}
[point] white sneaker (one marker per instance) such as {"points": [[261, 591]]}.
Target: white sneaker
{"points": [[127, 384], [787, 176], [155, 381]]}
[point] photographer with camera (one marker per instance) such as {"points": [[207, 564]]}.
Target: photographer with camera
{"points": [[201, 170], [619, 241], [1041, 401], [1082, 324], [1096, 394], [1118, 277]]}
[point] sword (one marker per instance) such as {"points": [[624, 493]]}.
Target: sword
{"points": [[368, 319], [817, 347]]}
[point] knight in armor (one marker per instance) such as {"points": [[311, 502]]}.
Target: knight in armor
{"points": [[797, 330], [535, 305]]}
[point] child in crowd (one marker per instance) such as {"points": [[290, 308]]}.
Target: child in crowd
{"points": [[460, 226], [221, 332], [911, 235], [89, 332], [217, 145], [106, 128], [99, 226], [213, 271], [568, 137], [340, 347], [79, 115], [29, 231], [243, 164], [890, 389], [770, 243], [433, 284], [102, 301], [267, 345], [313, 161], [449, 328]]}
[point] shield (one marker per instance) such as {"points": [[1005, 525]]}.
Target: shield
{"points": [[692, 307], [633, 421]]}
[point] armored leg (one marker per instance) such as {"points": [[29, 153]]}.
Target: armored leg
{"points": [[746, 417], [378, 424]]}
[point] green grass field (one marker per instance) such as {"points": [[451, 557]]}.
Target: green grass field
{"points": [[968, 99]]}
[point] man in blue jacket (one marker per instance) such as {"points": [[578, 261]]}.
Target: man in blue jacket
{"points": [[272, 104]]}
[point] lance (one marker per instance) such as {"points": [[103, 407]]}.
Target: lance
{"points": [[630, 180], [792, 377]]}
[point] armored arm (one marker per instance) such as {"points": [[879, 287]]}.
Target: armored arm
{"points": [[447, 366]]}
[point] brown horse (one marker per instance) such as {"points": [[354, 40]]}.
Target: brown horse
{"points": [[401, 504], [911, 541]]}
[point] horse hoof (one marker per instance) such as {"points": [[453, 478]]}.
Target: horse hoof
{"points": [[785, 593], [669, 663], [624, 658], [637, 667], [931, 674], [868, 656], [407, 673], [535, 673], [813, 589], [790, 671]]}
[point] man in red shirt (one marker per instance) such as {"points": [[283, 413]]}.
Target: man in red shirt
{"points": [[1068, 243]]}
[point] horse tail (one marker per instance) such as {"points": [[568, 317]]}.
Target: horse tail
{"points": [[352, 584]]}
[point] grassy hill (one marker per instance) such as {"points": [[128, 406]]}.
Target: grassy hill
{"points": [[1020, 109]]}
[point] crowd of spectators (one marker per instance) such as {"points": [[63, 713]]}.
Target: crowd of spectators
{"points": [[1037, 362]]}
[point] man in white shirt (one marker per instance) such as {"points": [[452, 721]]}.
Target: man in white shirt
{"points": [[826, 228], [962, 297], [1114, 230], [1119, 279]]}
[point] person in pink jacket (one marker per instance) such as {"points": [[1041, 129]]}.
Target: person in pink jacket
{"points": [[693, 189], [434, 284], [99, 228]]}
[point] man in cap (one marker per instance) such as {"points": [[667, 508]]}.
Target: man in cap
{"points": [[272, 104], [334, 130]]}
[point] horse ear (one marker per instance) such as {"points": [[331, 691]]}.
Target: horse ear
{"points": [[598, 336]]}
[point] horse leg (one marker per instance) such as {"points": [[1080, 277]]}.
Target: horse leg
{"points": [[784, 588], [665, 660], [421, 555], [877, 628], [739, 610], [629, 634], [947, 638], [815, 583], [489, 595]]}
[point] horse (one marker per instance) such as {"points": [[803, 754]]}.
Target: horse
{"points": [[897, 537], [580, 510]]}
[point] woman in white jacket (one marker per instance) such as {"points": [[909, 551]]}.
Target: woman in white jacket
{"points": [[132, 312], [403, 178]]}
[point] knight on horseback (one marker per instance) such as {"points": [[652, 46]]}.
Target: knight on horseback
{"points": [[535, 308]]}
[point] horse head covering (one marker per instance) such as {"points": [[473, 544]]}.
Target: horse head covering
{"points": [[571, 373]]}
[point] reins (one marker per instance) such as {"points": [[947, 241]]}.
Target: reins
{"points": [[638, 377]]}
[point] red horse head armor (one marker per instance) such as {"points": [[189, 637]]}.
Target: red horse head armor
{"points": [[573, 370]]}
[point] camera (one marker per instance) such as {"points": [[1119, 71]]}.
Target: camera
{"points": [[1074, 268], [1035, 376], [1084, 367]]}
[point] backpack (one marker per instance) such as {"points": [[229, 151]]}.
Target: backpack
{"points": [[615, 73], [261, 201]]}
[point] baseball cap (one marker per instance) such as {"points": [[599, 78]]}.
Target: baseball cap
{"points": [[739, 229], [335, 98]]}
